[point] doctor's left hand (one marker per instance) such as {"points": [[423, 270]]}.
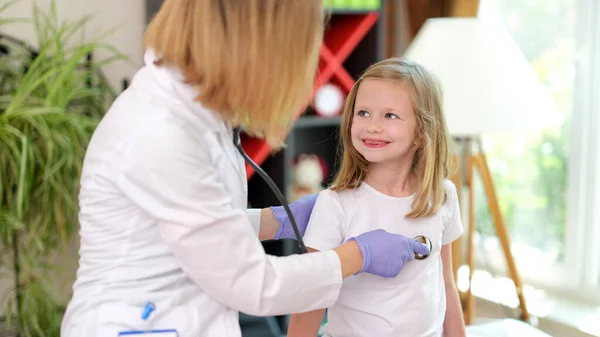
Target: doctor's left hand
{"points": [[301, 209]]}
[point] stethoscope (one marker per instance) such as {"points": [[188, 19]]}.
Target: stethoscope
{"points": [[238, 144]]}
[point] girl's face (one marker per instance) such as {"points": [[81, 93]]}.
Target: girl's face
{"points": [[384, 123]]}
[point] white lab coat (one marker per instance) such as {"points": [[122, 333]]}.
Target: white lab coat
{"points": [[163, 219]]}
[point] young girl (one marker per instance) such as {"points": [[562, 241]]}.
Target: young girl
{"points": [[393, 176]]}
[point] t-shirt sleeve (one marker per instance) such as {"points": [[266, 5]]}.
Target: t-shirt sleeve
{"points": [[453, 227], [324, 231]]}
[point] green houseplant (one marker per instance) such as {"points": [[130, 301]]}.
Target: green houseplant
{"points": [[51, 99]]}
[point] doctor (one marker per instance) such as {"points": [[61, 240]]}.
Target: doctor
{"points": [[163, 190]]}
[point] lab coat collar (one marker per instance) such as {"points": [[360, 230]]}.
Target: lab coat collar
{"points": [[171, 80]]}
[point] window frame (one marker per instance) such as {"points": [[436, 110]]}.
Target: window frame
{"points": [[584, 181], [578, 276]]}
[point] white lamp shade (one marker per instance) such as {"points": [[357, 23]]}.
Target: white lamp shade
{"points": [[488, 85]]}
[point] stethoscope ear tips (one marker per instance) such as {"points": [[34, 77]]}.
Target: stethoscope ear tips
{"points": [[424, 240]]}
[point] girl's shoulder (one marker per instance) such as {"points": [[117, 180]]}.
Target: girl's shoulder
{"points": [[451, 199], [450, 190], [340, 197], [345, 200]]}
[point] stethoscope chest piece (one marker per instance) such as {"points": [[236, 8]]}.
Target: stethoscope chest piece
{"points": [[424, 240]]}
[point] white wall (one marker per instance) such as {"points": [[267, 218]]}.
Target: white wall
{"points": [[128, 17]]}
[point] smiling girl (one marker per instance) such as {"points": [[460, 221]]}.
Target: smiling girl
{"points": [[393, 176]]}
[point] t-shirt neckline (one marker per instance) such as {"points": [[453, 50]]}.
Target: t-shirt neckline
{"points": [[375, 191]]}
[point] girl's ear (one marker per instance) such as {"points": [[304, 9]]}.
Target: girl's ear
{"points": [[417, 142], [421, 141]]}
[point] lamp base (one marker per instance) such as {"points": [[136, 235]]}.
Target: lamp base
{"points": [[477, 161]]}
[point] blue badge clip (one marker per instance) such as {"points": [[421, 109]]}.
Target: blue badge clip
{"points": [[148, 309]]}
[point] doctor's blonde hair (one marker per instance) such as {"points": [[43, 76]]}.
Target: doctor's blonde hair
{"points": [[431, 161], [252, 61]]}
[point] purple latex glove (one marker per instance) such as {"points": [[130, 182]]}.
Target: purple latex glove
{"points": [[301, 209], [384, 254]]}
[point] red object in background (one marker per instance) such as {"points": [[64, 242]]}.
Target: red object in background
{"points": [[342, 36]]}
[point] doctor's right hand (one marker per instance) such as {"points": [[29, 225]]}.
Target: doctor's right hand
{"points": [[385, 254]]}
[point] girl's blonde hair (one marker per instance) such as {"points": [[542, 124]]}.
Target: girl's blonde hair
{"points": [[252, 61], [432, 142]]}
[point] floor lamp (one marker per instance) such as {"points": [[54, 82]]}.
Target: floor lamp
{"points": [[488, 87]]}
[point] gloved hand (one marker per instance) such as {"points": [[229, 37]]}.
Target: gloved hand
{"points": [[385, 254], [301, 209]]}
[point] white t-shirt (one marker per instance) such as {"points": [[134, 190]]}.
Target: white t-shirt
{"points": [[413, 304]]}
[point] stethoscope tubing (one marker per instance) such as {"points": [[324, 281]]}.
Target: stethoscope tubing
{"points": [[238, 144]]}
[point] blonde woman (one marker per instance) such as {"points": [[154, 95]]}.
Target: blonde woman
{"points": [[393, 176], [168, 247]]}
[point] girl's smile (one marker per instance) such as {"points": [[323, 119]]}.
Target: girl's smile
{"points": [[375, 143]]}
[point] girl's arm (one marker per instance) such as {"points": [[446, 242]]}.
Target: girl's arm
{"points": [[268, 225], [454, 325], [306, 324]]}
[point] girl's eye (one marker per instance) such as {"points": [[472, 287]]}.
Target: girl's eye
{"points": [[362, 113], [391, 116]]}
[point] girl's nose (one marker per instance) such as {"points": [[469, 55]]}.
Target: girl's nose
{"points": [[374, 127]]}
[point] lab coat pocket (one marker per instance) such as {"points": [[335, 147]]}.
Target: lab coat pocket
{"points": [[114, 318]]}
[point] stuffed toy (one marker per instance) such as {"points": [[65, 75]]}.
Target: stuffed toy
{"points": [[309, 173]]}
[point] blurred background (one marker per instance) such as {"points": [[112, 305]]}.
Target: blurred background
{"points": [[521, 82]]}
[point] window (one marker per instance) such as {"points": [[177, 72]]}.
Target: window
{"points": [[545, 181]]}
